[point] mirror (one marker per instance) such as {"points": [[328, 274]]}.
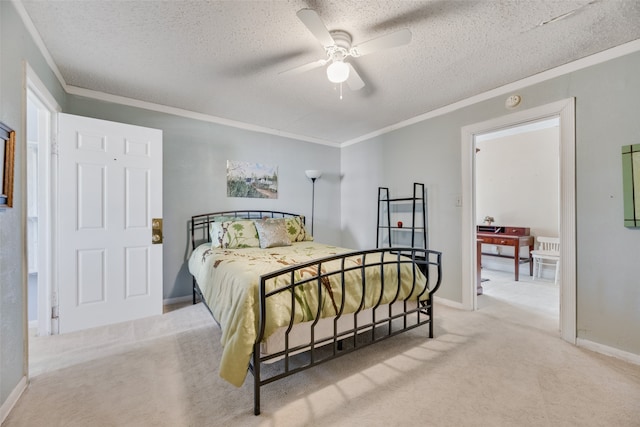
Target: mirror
{"points": [[631, 184], [7, 158]]}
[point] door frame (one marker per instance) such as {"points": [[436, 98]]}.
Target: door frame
{"points": [[565, 110], [34, 88]]}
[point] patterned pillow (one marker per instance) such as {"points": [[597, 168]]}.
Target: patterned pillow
{"points": [[234, 234], [216, 233], [215, 229], [272, 233], [297, 231], [223, 218]]}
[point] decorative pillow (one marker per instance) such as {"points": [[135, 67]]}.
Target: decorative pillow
{"points": [[216, 234], [215, 229], [297, 231], [272, 233], [237, 234], [223, 218]]}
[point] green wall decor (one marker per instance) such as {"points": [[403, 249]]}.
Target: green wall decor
{"points": [[631, 184]]}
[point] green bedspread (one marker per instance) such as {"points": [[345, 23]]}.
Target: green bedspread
{"points": [[230, 282]]}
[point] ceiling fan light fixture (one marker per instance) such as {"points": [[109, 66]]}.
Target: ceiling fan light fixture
{"points": [[338, 72]]}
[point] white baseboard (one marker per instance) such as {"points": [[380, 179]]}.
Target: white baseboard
{"points": [[8, 404], [178, 300], [589, 345], [448, 302], [609, 351]]}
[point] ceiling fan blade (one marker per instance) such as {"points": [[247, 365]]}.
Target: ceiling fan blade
{"points": [[312, 21], [398, 38], [354, 81], [306, 67]]}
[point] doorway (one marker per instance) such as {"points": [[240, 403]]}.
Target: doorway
{"points": [[565, 111], [517, 184], [41, 110]]}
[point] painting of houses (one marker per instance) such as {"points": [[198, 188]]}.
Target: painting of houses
{"points": [[254, 180]]}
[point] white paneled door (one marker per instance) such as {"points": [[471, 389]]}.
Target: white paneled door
{"points": [[110, 189]]}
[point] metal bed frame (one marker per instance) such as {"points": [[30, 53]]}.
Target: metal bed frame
{"points": [[381, 322]]}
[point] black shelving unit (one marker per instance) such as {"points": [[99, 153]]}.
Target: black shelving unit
{"points": [[402, 221]]}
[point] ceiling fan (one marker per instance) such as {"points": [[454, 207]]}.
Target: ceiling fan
{"points": [[337, 46]]}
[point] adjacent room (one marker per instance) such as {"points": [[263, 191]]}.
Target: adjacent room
{"points": [[517, 187], [298, 212]]}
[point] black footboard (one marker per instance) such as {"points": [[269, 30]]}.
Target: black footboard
{"points": [[383, 310], [397, 297]]}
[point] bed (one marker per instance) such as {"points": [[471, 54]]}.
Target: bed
{"points": [[286, 303]]}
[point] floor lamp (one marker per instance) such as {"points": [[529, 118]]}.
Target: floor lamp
{"points": [[313, 174]]}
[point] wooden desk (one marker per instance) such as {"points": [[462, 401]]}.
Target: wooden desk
{"points": [[515, 237], [479, 288]]}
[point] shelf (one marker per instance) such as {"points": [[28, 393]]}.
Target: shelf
{"points": [[403, 199], [393, 227], [411, 211]]}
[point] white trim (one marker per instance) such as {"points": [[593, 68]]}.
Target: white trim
{"points": [[177, 300], [447, 302], [47, 283], [73, 90], [11, 401], [513, 131], [36, 85], [597, 58], [565, 109], [101, 96], [35, 35], [568, 263], [609, 351]]}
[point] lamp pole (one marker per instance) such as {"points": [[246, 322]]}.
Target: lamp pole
{"points": [[313, 200], [313, 174]]}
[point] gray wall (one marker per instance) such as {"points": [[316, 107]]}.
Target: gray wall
{"points": [[608, 255], [396, 160], [16, 46], [194, 177]]}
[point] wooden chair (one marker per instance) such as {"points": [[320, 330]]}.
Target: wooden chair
{"points": [[548, 253]]}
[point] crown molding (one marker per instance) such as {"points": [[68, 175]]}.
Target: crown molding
{"points": [[588, 61], [35, 35], [122, 100], [73, 90]]}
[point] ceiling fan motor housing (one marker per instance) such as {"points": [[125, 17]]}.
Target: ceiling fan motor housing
{"points": [[340, 49]]}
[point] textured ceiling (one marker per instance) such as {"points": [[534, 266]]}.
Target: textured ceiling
{"points": [[224, 58]]}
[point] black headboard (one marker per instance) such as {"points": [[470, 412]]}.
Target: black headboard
{"points": [[200, 223]]}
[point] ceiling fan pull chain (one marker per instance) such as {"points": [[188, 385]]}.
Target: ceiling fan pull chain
{"points": [[341, 91]]}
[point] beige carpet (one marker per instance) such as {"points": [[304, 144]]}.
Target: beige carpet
{"points": [[503, 365]]}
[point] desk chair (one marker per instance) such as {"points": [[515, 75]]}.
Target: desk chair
{"points": [[548, 253]]}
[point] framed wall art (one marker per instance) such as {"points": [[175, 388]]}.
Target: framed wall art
{"points": [[7, 159], [631, 184], [256, 180]]}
